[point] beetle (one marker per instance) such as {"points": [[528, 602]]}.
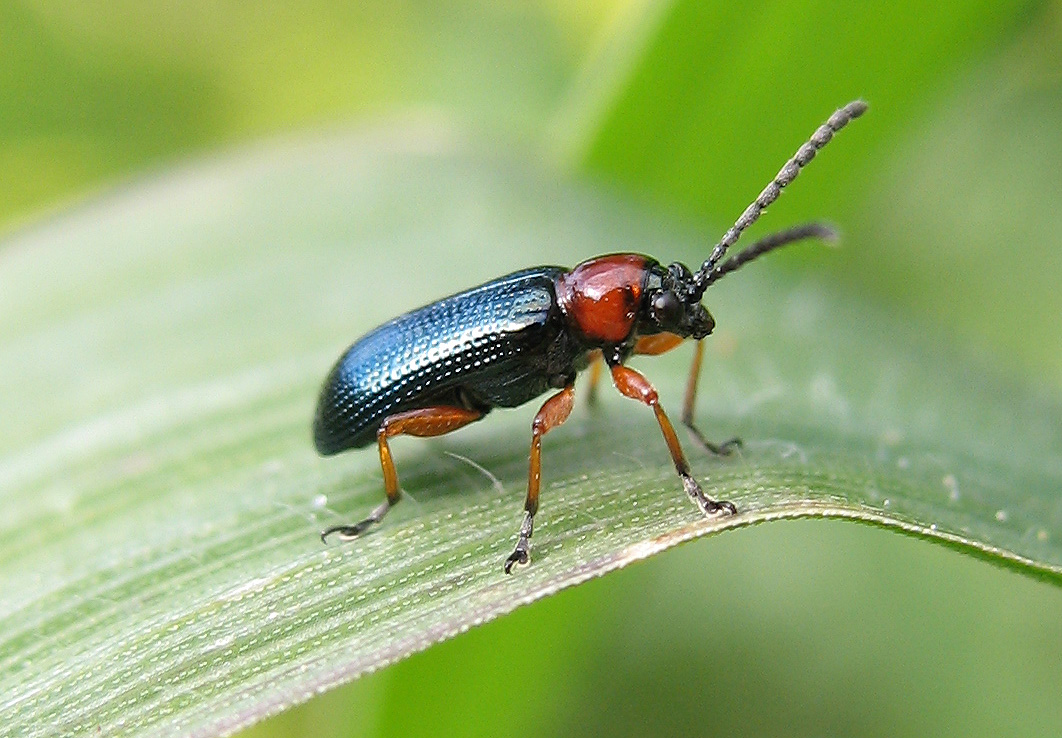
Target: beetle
{"points": [[506, 342]]}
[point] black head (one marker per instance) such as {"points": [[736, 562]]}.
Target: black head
{"points": [[670, 306]]}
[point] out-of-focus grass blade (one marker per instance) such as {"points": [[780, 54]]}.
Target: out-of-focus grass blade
{"points": [[710, 99], [160, 353]]}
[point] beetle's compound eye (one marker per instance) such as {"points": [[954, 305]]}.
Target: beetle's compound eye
{"points": [[666, 308]]}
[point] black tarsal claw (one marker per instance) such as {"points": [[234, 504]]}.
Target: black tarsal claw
{"points": [[730, 446], [345, 532], [725, 507], [519, 556], [726, 448]]}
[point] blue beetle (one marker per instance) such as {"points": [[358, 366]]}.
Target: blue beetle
{"points": [[506, 342]]}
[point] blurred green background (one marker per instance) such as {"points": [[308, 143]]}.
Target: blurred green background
{"points": [[948, 196]]}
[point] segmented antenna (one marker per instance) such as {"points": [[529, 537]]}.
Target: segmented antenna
{"points": [[770, 243], [770, 193]]}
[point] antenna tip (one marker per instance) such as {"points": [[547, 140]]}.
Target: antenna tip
{"points": [[824, 232], [855, 108]]}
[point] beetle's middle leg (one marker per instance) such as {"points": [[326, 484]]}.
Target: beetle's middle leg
{"points": [[424, 422], [554, 412], [632, 384]]}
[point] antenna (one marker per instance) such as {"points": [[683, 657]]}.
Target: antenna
{"points": [[708, 272], [770, 243]]}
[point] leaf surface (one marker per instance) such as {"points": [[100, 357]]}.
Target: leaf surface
{"points": [[161, 353]]}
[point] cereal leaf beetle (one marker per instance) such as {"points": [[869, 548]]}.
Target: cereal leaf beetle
{"points": [[448, 364]]}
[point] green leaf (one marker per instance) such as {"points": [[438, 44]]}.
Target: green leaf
{"points": [[162, 351], [711, 96]]}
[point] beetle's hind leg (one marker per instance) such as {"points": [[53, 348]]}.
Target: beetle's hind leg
{"points": [[554, 412], [719, 449], [429, 421]]}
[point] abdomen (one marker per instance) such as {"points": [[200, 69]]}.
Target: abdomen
{"points": [[479, 348]]}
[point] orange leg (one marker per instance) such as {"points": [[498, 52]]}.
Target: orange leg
{"points": [[662, 342], [721, 449], [595, 376], [657, 344], [554, 412], [429, 421], [632, 384]]}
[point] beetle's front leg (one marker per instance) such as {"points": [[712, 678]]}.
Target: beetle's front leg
{"points": [[428, 421], [659, 343], [554, 412], [719, 449], [632, 384]]}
